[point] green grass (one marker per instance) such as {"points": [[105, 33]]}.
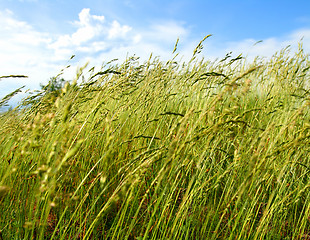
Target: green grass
{"points": [[162, 150]]}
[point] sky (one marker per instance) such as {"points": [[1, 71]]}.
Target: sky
{"points": [[38, 37]]}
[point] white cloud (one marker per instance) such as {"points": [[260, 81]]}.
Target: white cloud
{"points": [[89, 26], [117, 30], [84, 17], [92, 35]]}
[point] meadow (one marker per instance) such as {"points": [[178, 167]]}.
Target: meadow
{"points": [[162, 150]]}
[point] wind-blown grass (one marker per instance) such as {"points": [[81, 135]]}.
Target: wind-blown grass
{"points": [[203, 150]]}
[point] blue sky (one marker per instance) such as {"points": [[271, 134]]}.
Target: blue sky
{"points": [[37, 37]]}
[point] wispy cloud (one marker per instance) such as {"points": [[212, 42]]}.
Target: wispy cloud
{"points": [[267, 47], [23, 51]]}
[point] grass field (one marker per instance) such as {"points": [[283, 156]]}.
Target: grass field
{"points": [[162, 150]]}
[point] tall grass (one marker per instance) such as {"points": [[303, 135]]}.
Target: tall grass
{"points": [[162, 150]]}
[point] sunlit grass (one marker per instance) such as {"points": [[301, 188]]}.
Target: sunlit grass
{"points": [[162, 150]]}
